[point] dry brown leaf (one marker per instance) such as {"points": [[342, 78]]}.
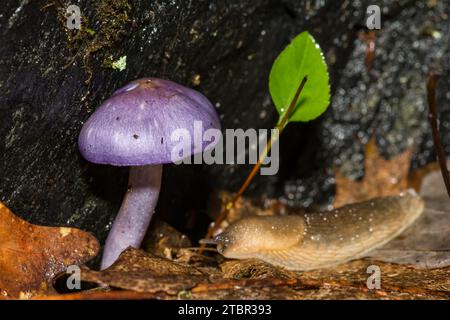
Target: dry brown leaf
{"points": [[192, 257], [381, 178], [143, 272], [31, 256], [253, 269], [164, 241], [347, 281], [103, 295]]}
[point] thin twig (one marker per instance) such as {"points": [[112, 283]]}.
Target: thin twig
{"points": [[433, 118]]}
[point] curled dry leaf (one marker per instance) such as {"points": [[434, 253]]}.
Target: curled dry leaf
{"points": [[381, 178], [143, 272], [164, 241], [31, 256]]}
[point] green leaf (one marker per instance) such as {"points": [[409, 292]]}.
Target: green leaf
{"points": [[302, 57]]}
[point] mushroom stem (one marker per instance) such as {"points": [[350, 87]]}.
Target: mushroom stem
{"points": [[136, 211]]}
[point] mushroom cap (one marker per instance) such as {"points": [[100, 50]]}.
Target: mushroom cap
{"points": [[133, 127]]}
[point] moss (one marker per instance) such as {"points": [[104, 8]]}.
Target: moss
{"points": [[184, 294], [119, 64], [112, 25]]}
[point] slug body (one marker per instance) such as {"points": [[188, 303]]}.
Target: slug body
{"points": [[318, 240]]}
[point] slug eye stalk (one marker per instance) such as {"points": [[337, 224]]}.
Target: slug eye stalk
{"points": [[208, 241], [218, 241]]}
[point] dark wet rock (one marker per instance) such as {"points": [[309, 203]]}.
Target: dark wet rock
{"points": [[224, 49]]}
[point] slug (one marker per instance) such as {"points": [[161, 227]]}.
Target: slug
{"points": [[319, 240]]}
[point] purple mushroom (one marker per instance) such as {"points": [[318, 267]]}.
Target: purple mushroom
{"points": [[134, 128]]}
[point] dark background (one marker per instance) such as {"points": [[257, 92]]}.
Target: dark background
{"points": [[51, 80]]}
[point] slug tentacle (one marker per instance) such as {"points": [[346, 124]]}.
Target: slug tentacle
{"points": [[317, 240]]}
